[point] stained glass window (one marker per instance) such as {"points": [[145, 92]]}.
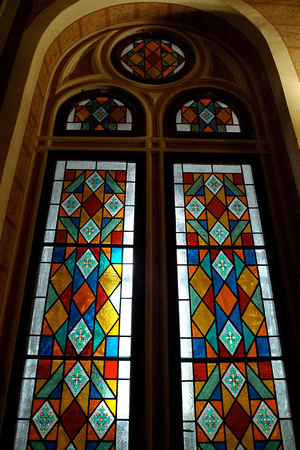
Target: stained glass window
{"points": [[234, 392], [153, 58], [99, 113], [205, 115], [76, 380]]}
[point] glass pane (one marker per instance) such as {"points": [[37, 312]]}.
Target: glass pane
{"points": [[204, 115], [75, 390], [233, 393]]}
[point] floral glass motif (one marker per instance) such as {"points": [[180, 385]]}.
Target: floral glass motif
{"points": [[76, 382], [100, 113], [204, 115], [234, 392], [153, 59]]}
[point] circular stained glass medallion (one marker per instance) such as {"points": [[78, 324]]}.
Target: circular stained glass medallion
{"points": [[153, 59]]}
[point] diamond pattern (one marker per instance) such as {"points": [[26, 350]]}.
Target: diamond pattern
{"points": [[101, 419], [89, 231], [114, 205], [265, 419], [100, 114], [210, 421], [206, 115], [76, 379], [233, 380], [222, 265], [94, 181], [237, 207], [80, 336], [230, 337], [195, 207], [45, 419], [87, 263], [213, 184], [219, 233], [71, 204]]}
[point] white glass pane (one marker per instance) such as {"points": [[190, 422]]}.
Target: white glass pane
{"points": [[258, 239], [73, 126], [202, 168], [81, 165], [122, 435], [275, 346], [49, 236], [282, 399], [233, 129], [261, 256], [190, 438], [131, 172], [188, 411], [288, 435], [128, 255], [183, 286], [115, 298], [111, 165], [33, 345], [251, 196], [125, 317], [123, 399], [43, 278], [127, 281], [224, 168], [180, 220], [130, 194], [187, 371], [21, 435], [271, 320], [26, 399], [266, 288], [52, 217], [180, 239], [278, 369], [247, 171], [47, 254], [184, 319], [37, 316], [179, 195], [183, 127], [124, 126], [60, 170], [56, 192], [125, 347], [128, 237], [177, 173], [129, 218], [255, 220], [181, 256], [186, 348], [30, 368], [124, 369]]}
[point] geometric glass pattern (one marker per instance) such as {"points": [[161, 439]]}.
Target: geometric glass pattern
{"points": [[99, 113], [205, 115], [234, 392], [152, 59], [76, 394]]}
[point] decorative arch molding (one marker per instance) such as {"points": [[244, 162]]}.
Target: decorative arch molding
{"points": [[79, 19]]}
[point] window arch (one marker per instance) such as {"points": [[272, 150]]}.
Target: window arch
{"points": [[100, 112]]}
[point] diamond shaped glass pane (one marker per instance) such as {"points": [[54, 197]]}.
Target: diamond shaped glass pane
{"points": [[94, 181], [265, 419], [222, 265], [71, 204], [214, 184], [45, 419], [237, 207], [101, 419], [100, 114], [234, 380], [230, 337], [113, 205], [87, 263], [219, 233], [207, 115], [80, 336], [195, 207], [76, 379], [89, 231], [210, 421]]}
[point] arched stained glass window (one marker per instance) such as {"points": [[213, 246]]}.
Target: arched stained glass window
{"points": [[76, 380], [205, 115], [99, 112], [234, 392], [153, 59]]}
